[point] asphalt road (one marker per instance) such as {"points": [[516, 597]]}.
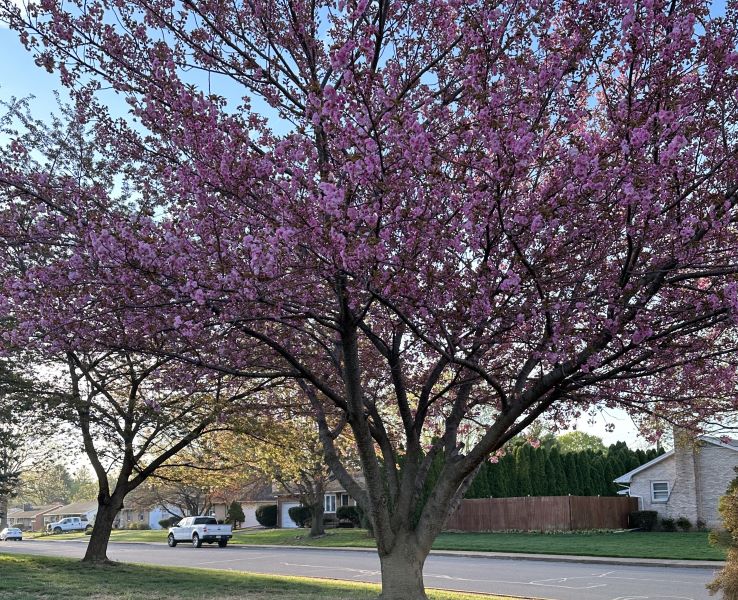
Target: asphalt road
{"points": [[528, 578]]}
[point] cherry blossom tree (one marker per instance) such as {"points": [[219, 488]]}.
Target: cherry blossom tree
{"points": [[443, 220]]}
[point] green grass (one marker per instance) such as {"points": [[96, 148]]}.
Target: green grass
{"points": [[122, 535], [42, 578], [683, 546], [637, 544]]}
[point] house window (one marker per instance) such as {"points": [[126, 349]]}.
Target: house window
{"points": [[344, 499], [330, 503], [659, 491]]}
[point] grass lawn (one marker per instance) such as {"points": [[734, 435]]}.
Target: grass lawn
{"points": [[43, 578], [684, 546]]}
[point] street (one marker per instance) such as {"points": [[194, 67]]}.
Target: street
{"points": [[528, 578]]}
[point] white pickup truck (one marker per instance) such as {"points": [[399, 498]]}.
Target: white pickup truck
{"points": [[196, 530], [68, 524]]}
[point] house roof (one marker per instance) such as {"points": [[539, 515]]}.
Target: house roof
{"points": [[30, 514], [262, 493], [76, 508], [629, 475], [331, 487], [626, 479]]}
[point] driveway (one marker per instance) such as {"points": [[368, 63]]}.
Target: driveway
{"points": [[529, 578]]}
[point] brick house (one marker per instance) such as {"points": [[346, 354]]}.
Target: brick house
{"points": [[85, 510], [686, 481], [30, 518]]}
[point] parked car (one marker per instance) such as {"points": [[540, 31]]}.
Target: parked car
{"points": [[199, 530], [69, 524], [11, 533]]}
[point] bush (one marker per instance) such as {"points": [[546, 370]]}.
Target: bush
{"points": [[169, 522], [668, 524], [302, 515], [365, 521], [235, 514], [727, 579], [267, 515], [701, 525], [684, 523], [643, 519], [348, 514]]}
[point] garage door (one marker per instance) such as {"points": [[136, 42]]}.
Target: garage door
{"points": [[249, 512], [288, 523]]}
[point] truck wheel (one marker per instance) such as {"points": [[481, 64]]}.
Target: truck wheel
{"points": [[196, 543], [57, 530], [222, 543], [171, 541]]}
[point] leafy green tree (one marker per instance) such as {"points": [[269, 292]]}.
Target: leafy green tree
{"points": [[235, 514], [538, 481], [560, 480], [21, 433], [579, 441], [522, 470]]}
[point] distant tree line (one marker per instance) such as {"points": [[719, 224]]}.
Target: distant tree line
{"points": [[553, 470]]}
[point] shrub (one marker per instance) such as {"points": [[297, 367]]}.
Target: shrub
{"points": [[348, 514], [267, 515], [668, 524], [701, 525], [727, 579], [235, 514], [169, 522], [643, 519], [132, 526], [684, 523], [365, 521], [302, 515]]}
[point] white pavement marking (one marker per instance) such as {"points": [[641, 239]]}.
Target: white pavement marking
{"points": [[649, 580], [217, 562], [653, 598], [359, 572]]}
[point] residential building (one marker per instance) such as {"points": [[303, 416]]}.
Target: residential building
{"points": [[250, 498], [84, 510], [335, 496], [29, 518], [686, 481]]}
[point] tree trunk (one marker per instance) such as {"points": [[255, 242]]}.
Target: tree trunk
{"points": [[3, 512], [402, 571], [317, 526], [97, 548]]}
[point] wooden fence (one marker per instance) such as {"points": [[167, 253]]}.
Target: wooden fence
{"points": [[543, 513]]}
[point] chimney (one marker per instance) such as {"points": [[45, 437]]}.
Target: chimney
{"points": [[683, 500]]}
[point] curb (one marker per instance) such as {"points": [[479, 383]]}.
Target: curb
{"points": [[565, 558]]}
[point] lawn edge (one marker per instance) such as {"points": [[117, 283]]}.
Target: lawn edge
{"points": [[575, 558]]}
